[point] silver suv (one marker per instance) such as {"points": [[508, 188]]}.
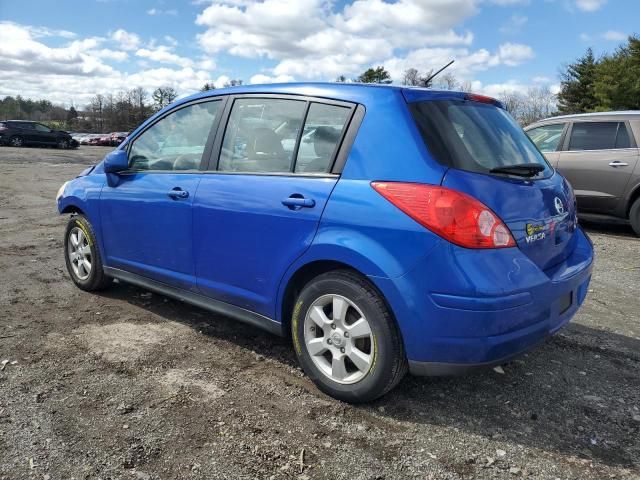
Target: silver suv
{"points": [[598, 153]]}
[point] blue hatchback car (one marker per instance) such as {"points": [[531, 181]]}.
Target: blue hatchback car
{"points": [[384, 229]]}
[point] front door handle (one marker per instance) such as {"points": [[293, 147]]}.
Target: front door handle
{"points": [[618, 164], [177, 193], [297, 201]]}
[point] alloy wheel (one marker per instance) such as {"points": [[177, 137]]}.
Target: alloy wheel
{"points": [[79, 252], [338, 339]]}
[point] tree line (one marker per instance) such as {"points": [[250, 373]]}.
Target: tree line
{"points": [[589, 84], [611, 82]]}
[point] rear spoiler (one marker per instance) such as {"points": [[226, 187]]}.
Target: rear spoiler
{"points": [[412, 95]]}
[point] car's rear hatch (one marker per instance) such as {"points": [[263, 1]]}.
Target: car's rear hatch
{"points": [[481, 144]]}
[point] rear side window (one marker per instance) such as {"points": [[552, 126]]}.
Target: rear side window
{"points": [[273, 135], [474, 136], [547, 138], [321, 136], [177, 141], [599, 136]]}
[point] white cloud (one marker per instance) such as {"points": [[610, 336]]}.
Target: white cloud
{"points": [[207, 64], [109, 54], [505, 3], [496, 90], [467, 62], [614, 36], [127, 41], [157, 11], [514, 24], [513, 54], [171, 41], [609, 35], [163, 54], [78, 70], [590, 5], [311, 40], [260, 78]]}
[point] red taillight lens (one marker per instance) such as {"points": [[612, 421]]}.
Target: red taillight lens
{"points": [[457, 217]]}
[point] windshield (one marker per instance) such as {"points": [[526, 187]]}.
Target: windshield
{"points": [[474, 136]]}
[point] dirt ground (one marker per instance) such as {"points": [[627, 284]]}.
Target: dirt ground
{"points": [[128, 384]]}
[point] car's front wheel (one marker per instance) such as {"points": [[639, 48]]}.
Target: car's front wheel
{"points": [[346, 338], [634, 216], [82, 256], [63, 143], [16, 141]]}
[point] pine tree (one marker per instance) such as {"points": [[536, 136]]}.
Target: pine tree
{"points": [[375, 75], [577, 91]]}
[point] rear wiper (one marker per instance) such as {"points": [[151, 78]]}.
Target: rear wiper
{"points": [[521, 170]]}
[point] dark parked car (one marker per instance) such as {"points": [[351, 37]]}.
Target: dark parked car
{"points": [[598, 153], [18, 133]]}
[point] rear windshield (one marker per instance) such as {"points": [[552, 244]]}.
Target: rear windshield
{"points": [[474, 136]]}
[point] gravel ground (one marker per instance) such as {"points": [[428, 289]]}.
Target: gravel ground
{"points": [[128, 384]]}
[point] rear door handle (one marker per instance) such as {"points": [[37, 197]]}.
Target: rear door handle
{"points": [[177, 193], [618, 164], [298, 201]]}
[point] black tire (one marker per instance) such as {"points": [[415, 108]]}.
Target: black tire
{"points": [[96, 279], [63, 144], [389, 363], [16, 141], [634, 216]]}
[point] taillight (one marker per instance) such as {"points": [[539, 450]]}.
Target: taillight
{"points": [[453, 215]]}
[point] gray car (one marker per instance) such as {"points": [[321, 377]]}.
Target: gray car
{"points": [[598, 153]]}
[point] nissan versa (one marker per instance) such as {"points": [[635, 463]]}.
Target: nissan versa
{"points": [[385, 229]]}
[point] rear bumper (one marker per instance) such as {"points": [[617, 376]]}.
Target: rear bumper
{"points": [[462, 309]]}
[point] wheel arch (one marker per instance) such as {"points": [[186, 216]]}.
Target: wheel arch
{"points": [[635, 195], [303, 274], [72, 209]]}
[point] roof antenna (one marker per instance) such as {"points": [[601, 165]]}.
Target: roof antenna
{"points": [[431, 77]]}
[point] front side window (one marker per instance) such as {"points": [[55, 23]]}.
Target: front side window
{"points": [[261, 135], [177, 141], [547, 138], [42, 128], [599, 136]]}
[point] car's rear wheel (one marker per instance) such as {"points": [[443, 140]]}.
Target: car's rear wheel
{"points": [[346, 338], [634, 216], [16, 141], [82, 256]]}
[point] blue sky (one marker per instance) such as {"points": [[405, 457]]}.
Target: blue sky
{"points": [[70, 51]]}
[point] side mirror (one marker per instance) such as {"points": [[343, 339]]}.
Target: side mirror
{"points": [[116, 161]]}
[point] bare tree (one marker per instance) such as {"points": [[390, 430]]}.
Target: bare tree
{"points": [[163, 96], [537, 103], [448, 82], [414, 78], [411, 77]]}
